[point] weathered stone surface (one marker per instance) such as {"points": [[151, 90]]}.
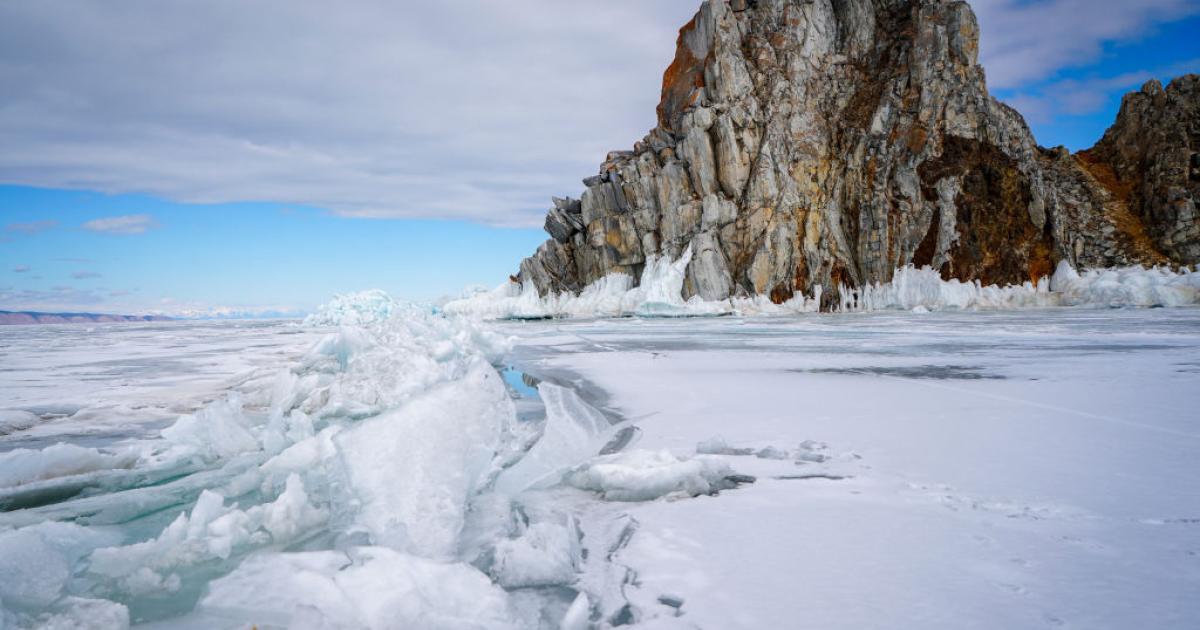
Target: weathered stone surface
{"points": [[828, 142], [1153, 155]]}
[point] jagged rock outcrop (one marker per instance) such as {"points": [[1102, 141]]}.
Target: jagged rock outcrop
{"points": [[829, 142], [1151, 159]]}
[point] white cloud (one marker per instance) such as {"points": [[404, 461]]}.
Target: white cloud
{"points": [[1030, 40], [128, 224], [86, 275], [1077, 97], [21, 269], [472, 109]]}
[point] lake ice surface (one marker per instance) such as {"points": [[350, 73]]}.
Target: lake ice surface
{"points": [[944, 470]]}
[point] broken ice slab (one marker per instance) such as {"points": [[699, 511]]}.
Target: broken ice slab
{"points": [[575, 431]]}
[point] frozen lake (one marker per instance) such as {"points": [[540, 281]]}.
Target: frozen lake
{"points": [[889, 470]]}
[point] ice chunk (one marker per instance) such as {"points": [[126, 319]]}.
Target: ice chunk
{"points": [[718, 446], [291, 513], [138, 567], [414, 469], [211, 531], [218, 431], [354, 309], [37, 561], [22, 466], [646, 475], [304, 454], [366, 371], [372, 587], [546, 554], [575, 431]]}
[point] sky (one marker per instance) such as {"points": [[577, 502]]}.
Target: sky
{"points": [[232, 158]]}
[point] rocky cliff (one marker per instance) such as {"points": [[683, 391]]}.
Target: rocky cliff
{"points": [[830, 142]]}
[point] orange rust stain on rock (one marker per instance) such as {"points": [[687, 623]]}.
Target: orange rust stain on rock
{"points": [[1120, 211], [683, 76], [1103, 173], [918, 137]]}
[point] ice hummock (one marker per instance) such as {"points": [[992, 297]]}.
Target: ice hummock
{"points": [[370, 459], [354, 309], [303, 456], [659, 294]]}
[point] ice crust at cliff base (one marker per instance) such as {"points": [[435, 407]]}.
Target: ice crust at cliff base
{"points": [[659, 294]]}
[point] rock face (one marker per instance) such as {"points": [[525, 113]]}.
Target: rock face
{"points": [[1150, 159], [829, 142]]}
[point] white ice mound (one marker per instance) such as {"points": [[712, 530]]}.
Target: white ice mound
{"points": [[574, 432], [362, 371], [354, 309], [414, 469], [641, 475], [658, 294], [370, 587], [23, 466], [1128, 286]]}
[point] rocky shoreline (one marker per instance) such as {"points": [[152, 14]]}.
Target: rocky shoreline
{"points": [[806, 144]]}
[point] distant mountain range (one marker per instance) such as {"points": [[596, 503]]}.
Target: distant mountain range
{"points": [[31, 317]]}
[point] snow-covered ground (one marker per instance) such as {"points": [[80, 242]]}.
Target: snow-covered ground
{"points": [[866, 470]]}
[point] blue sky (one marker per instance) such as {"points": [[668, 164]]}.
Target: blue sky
{"points": [[231, 259], [209, 157]]}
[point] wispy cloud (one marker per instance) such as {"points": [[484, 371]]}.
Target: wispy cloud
{"points": [[32, 227], [1078, 97], [1026, 41], [21, 269], [128, 224], [86, 275]]}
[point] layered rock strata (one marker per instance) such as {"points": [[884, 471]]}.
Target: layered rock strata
{"points": [[829, 142]]}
